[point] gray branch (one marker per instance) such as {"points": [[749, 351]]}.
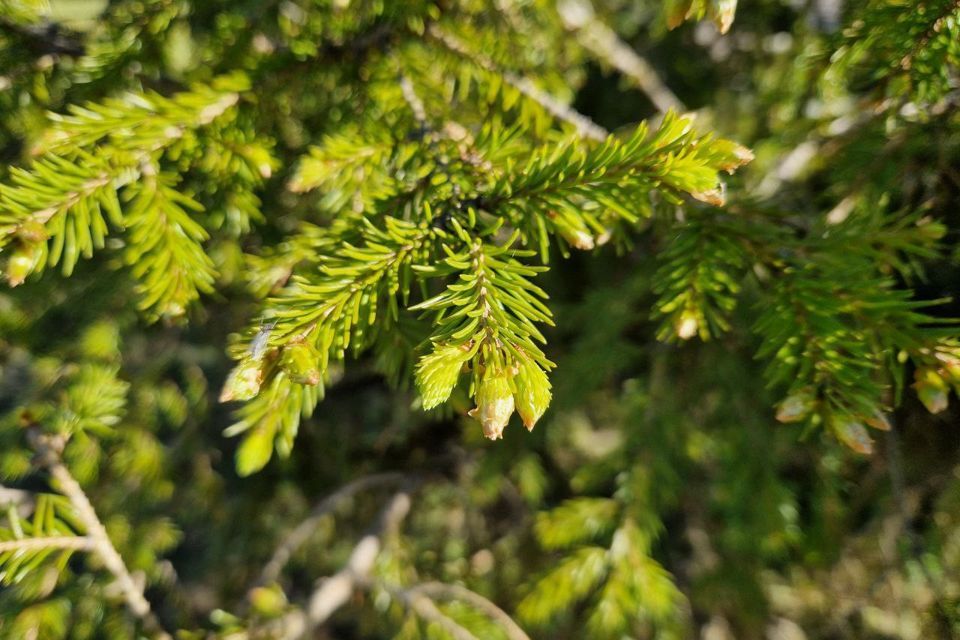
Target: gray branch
{"points": [[586, 127], [413, 100], [416, 601], [298, 536], [602, 41], [22, 501], [443, 591], [49, 449], [76, 543], [335, 591]]}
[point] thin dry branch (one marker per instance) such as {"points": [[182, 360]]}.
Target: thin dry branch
{"points": [[423, 606], [335, 591], [443, 591], [22, 501], [77, 543], [603, 42], [584, 125], [295, 539], [49, 449], [413, 100]]}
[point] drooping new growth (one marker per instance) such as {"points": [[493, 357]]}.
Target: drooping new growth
{"points": [[457, 235], [424, 214]]}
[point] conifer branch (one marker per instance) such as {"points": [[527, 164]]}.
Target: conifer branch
{"points": [[142, 123], [360, 272], [579, 193], [487, 316], [346, 304], [57, 210], [949, 9], [698, 281], [165, 252], [49, 449]]}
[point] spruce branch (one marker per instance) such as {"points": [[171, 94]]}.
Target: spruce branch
{"points": [[579, 193], [49, 450], [142, 123], [916, 41], [357, 276], [621, 581], [698, 281], [352, 297], [57, 210], [165, 253], [365, 267], [67, 201], [349, 170], [949, 8], [487, 316]]}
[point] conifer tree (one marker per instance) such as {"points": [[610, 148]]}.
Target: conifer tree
{"points": [[225, 224]]}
